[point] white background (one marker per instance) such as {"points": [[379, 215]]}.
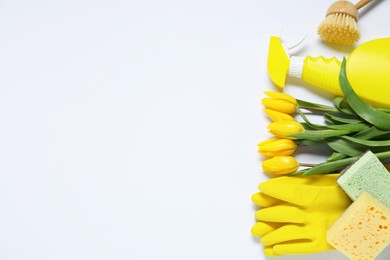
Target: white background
{"points": [[129, 129]]}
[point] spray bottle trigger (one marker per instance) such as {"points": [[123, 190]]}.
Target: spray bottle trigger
{"points": [[278, 62]]}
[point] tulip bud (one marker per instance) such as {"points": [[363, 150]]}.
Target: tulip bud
{"points": [[284, 128], [277, 116], [277, 147], [280, 102], [280, 165]]}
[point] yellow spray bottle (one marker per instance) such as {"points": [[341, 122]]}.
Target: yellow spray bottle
{"points": [[368, 70]]}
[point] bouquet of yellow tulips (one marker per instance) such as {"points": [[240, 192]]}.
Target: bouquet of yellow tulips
{"points": [[351, 127]]}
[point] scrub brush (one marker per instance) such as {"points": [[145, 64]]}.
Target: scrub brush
{"points": [[340, 25]]}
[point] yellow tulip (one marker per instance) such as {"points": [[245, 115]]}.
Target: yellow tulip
{"points": [[275, 115], [280, 165], [284, 128], [282, 96], [277, 147], [280, 102]]}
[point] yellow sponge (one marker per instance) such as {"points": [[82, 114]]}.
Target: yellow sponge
{"points": [[363, 230]]}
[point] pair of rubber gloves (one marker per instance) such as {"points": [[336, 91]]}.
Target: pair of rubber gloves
{"points": [[296, 213]]}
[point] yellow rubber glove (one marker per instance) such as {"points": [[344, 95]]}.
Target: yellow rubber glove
{"points": [[296, 213]]}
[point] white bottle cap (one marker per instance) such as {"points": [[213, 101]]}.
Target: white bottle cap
{"points": [[296, 66]]}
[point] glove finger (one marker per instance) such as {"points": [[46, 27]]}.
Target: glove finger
{"points": [[279, 190], [313, 180], [268, 251], [298, 190], [264, 200], [288, 180], [284, 234], [299, 194], [262, 228], [285, 213], [299, 248]]}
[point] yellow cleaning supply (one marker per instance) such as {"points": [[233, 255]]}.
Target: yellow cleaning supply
{"points": [[368, 70], [363, 230], [297, 212]]}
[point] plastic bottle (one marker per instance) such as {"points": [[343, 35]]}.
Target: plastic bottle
{"points": [[368, 70]]}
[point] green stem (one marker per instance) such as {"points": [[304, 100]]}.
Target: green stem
{"points": [[307, 164], [314, 106], [318, 109], [330, 167]]}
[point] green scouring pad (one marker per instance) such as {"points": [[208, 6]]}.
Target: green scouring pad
{"points": [[367, 174]]}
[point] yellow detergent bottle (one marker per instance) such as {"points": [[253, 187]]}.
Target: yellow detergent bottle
{"points": [[368, 70]]}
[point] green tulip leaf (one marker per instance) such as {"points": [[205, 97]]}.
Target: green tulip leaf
{"points": [[309, 142], [318, 134], [339, 119], [342, 105], [335, 156], [306, 126], [368, 113], [368, 143], [345, 147], [371, 133], [329, 167], [349, 127], [386, 110], [315, 107], [337, 165], [308, 123]]}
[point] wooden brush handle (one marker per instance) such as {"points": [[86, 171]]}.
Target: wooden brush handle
{"points": [[362, 3], [344, 7]]}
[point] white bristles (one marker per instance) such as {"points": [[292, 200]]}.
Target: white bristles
{"points": [[339, 29]]}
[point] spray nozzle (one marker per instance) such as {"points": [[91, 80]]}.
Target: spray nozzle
{"points": [[280, 64]]}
